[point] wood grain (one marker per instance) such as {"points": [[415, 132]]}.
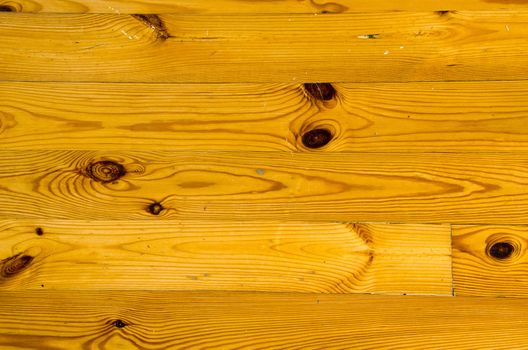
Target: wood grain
{"points": [[358, 47], [248, 256], [352, 187], [476, 272], [212, 320], [249, 6], [393, 117]]}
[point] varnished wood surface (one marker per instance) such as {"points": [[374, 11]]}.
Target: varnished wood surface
{"points": [[162, 320], [251, 6], [477, 272], [205, 255], [156, 191], [439, 117], [402, 187], [358, 47]]}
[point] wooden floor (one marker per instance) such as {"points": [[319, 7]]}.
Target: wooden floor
{"points": [[243, 174]]}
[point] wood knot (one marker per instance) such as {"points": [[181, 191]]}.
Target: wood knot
{"points": [[155, 23], [155, 208], [119, 324], [14, 265], [443, 13], [501, 250], [39, 231], [316, 138], [7, 8], [105, 171], [320, 91]]}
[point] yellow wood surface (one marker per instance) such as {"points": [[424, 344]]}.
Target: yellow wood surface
{"points": [[477, 273], [440, 117], [156, 190], [402, 187], [208, 320], [249, 256], [251, 6], [358, 47]]}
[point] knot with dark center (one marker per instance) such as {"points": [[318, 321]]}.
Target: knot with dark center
{"points": [[7, 8], [119, 324], [155, 208], [316, 138], [501, 250], [105, 171], [320, 91], [15, 264]]}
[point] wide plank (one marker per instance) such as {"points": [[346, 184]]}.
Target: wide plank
{"points": [[356, 47], [245, 256], [351, 187], [490, 260], [383, 117], [214, 320], [250, 6]]}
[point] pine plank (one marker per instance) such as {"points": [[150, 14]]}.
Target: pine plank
{"points": [[393, 117], [351, 187], [249, 6], [477, 272], [247, 256], [213, 320], [356, 47]]}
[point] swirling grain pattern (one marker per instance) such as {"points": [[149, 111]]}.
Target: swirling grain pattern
{"points": [[223, 320], [251, 6], [413, 188], [476, 272], [419, 117], [246, 256], [193, 174], [353, 47]]}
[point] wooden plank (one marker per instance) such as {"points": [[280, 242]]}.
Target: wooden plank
{"points": [[358, 47], [213, 320], [453, 116], [352, 187], [248, 256], [248, 6], [490, 260]]}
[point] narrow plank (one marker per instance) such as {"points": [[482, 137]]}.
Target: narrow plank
{"points": [[394, 117], [352, 187], [244, 256], [358, 47], [490, 260], [214, 320], [249, 6]]}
